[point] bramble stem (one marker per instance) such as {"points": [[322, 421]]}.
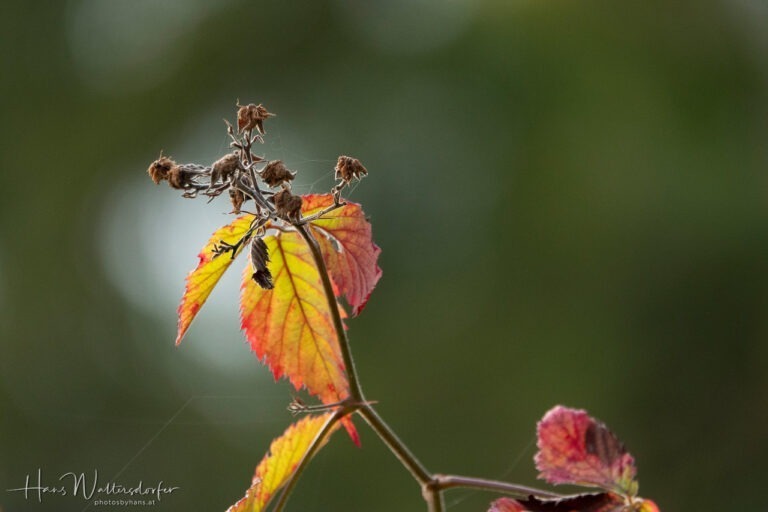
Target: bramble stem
{"points": [[370, 415], [443, 482], [432, 486], [434, 499], [313, 447], [394, 443], [315, 216]]}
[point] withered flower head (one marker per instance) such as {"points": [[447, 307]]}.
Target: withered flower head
{"points": [[348, 168], [287, 205], [238, 198], [252, 116], [276, 173], [178, 177], [183, 176], [160, 169], [224, 167]]}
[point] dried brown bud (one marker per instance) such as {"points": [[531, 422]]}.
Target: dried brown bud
{"points": [[160, 169], [177, 178], [183, 176], [287, 205], [259, 260], [224, 167], [348, 168], [238, 198], [276, 173], [252, 116]]}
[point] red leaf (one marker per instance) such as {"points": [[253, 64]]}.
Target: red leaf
{"points": [[577, 449], [347, 245]]}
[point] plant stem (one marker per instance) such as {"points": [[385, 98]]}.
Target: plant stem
{"points": [[450, 481], [315, 216], [434, 500], [432, 485], [313, 447], [354, 386], [394, 443]]}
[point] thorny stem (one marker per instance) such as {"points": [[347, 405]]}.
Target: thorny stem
{"points": [[370, 415], [432, 485], [298, 407], [315, 216], [434, 499], [313, 447], [401, 451]]}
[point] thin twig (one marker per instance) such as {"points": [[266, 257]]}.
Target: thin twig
{"points": [[370, 415], [315, 216], [341, 333], [434, 499], [443, 482], [394, 443]]}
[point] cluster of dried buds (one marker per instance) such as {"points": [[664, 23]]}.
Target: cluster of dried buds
{"points": [[242, 174]]}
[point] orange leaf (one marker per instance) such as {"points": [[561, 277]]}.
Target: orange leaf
{"points": [[210, 268], [285, 454], [347, 245], [290, 327]]}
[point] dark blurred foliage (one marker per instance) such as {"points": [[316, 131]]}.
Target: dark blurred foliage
{"points": [[571, 198]]}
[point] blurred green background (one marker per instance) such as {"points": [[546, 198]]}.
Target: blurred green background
{"points": [[571, 198]]}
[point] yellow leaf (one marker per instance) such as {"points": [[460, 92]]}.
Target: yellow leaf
{"points": [[210, 268], [285, 454]]}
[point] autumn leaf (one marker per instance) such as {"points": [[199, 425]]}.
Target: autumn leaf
{"points": [[277, 466], [210, 267], [290, 326], [577, 449], [347, 245]]}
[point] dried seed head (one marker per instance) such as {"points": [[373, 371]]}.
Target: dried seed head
{"points": [[252, 116], [160, 169], [224, 167], [287, 205], [238, 198], [259, 260], [183, 176], [177, 177], [276, 173], [348, 168]]}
